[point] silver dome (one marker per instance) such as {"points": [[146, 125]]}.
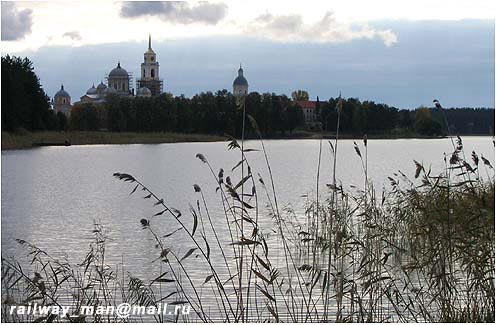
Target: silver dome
{"points": [[92, 90], [144, 91], [62, 92], [110, 90], [118, 71], [240, 80], [101, 86]]}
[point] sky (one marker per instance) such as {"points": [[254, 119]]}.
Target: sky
{"points": [[401, 53]]}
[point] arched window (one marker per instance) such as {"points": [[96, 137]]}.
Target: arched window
{"points": [[152, 73], [122, 86], [63, 100], [115, 86], [143, 73]]}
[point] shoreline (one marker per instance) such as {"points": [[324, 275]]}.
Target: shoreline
{"points": [[27, 140]]}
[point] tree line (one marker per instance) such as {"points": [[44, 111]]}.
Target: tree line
{"points": [[206, 113], [25, 105], [276, 115], [24, 102], [367, 117]]}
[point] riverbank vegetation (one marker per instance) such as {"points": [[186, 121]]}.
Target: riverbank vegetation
{"points": [[421, 250], [25, 139]]}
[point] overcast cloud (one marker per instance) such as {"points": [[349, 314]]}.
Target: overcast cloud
{"points": [[292, 28], [74, 35], [401, 62], [15, 23], [450, 61], [176, 11]]}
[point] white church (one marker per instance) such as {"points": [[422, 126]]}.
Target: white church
{"points": [[120, 82]]}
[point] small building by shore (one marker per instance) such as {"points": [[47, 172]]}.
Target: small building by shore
{"points": [[309, 110]]}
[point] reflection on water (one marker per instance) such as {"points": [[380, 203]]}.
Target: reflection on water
{"points": [[52, 196]]}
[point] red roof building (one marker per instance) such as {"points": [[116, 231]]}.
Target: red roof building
{"points": [[308, 109]]}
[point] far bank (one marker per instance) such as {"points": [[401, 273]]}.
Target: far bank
{"points": [[25, 140]]}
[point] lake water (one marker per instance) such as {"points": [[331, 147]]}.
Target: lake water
{"points": [[51, 196]]}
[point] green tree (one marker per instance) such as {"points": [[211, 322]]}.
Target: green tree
{"points": [[300, 95], [405, 119], [293, 117], [24, 102], [84, 118], [424, 123], [61, 121], [276, 113]]}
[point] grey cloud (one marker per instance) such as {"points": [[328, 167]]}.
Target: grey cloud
{"points": [[141, 8], [15, 23], [176, 11], [326, 30], [281, 24], [74, 35]]}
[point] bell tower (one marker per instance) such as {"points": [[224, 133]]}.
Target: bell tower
{"points": [[150, 66], [149, 74]]}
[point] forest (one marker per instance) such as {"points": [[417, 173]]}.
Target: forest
{"points": [[276, 115]]}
